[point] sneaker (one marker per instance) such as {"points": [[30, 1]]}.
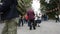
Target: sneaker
{"points": [[38, 25]]}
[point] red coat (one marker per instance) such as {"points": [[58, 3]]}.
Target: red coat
{"points": [[26, 17]]}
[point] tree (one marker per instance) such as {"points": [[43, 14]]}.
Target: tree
{"points": [[53, 7], [23, 5]]}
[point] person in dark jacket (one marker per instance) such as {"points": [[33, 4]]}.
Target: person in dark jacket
{"points": [[9, 14], [31, 17], [20, 20], [57, 18]]}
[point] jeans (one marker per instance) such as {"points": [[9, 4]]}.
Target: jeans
{"points": [[32, 24]]}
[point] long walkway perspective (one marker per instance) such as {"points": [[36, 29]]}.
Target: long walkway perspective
{"points": [[46, 27]]}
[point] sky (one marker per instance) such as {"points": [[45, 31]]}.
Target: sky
{"points": [[47, 1], [36, 6]]}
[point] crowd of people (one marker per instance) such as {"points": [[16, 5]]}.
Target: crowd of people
{"points": [[33, 19], [9, 14]]}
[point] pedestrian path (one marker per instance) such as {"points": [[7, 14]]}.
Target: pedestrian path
{"points": [[47, 27]]}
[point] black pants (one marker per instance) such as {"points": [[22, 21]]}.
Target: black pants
{"points": [[57, 19], [32, 24], [20, 21], [35, 22]]}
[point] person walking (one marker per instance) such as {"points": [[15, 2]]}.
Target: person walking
{"points": [[21, 21], [31, 17], [9, 15], [39, 19], [57, 18], [26, 18], [35, 19]]}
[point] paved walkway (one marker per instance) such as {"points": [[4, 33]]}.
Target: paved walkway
{"points": [[47, 27]]}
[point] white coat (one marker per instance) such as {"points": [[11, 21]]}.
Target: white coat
{"points": [[38, 14]]}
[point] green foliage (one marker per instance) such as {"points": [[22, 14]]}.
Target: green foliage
{"points": [[27, 1], [50, 6], [22, 5]]}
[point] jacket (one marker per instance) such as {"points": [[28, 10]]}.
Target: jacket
{"points": [[8, 9], [31, 14]]}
